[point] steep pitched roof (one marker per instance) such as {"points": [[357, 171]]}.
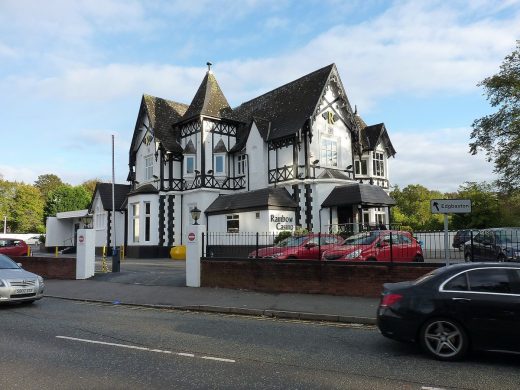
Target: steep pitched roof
{"points": [[220, 147], [105, 193], [209, 100], [161, 114], [357, 193], [332, 174], [252, 200], [372, 135], [288, 107]]}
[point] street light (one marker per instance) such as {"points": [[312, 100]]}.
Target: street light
{"points": [[195, 214]]}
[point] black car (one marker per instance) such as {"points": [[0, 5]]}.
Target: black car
{"points": [[497, 244], [461, 237], [456, 308]]}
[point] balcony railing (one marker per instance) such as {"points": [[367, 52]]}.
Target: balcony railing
{"points": [[206, 181]]}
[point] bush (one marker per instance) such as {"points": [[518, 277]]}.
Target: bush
{"points": [[282, 236], [42, 238]]}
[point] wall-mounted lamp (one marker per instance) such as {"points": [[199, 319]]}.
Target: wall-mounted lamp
{"points": [[195, 214], [349, 168]]}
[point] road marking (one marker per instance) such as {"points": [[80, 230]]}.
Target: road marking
{"points": [[431, 388], [147, 349]]}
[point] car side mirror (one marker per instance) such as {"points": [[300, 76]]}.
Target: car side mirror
{"points": [[19, 265], [382, 244]]}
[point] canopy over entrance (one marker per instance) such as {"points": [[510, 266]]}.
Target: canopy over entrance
{"points": [[367, 195]]}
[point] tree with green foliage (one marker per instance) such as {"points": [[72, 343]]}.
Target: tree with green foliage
{"points": [[485, 207], [90, 185], [498, 134], [7, 202], [413, 207], [66, 198], [27, 211], [47, 183]]}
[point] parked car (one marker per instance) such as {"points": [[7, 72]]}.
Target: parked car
{"points": [[497, 244], [13, 247], [18, 285], [309, 246], [462, 236], [34, 240], [377, 245], [455, 309]]}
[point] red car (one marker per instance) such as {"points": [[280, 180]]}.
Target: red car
{"points": [[376, 245], [310, 246], [13, 247]]}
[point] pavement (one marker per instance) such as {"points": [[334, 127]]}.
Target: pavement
{"points": [[161, 283]]}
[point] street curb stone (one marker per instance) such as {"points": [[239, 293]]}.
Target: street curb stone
{"points": [[241, 311]]}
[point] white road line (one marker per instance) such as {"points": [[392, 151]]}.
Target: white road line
{"points": [[146, 349], [431, 388]]}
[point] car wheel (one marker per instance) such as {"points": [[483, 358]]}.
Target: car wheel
{"points": [[444, 339], [418, 259], [467, 257]]}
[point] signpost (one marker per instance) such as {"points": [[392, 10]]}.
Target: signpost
{"points": [[449, 206]]}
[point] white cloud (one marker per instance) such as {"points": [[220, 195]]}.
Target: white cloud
{"points": [[438, 160]]}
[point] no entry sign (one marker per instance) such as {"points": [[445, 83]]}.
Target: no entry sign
{"points": [[81, 239], [191, 236]]}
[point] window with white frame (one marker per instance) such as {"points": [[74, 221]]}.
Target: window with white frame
{"points": [[99, 218], [329, 153], [189, 164], [380, 215], [147, 220], [361, 167], [378, 160], [219, 164], [135, 222], [241, 164], [148, 167], [233, 223]]}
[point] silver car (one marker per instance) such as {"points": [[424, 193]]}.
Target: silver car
{"points": [[18, 285]]}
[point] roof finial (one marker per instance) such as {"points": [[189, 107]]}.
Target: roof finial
{"points": [[209, 66], [355, 109]]}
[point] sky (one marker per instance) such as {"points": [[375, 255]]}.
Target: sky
{"points": [[72, 73]]}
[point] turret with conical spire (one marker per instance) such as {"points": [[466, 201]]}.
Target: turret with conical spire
{"points": [[209, 99]]}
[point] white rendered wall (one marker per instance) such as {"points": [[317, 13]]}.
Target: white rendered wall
{"points": [[256, 150]]}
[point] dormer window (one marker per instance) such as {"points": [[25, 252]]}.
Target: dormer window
{"points": [[189, 165], [219, 164], [378, 164]]}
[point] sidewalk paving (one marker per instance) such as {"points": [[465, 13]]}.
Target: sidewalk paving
{"points": [[161, 283]]}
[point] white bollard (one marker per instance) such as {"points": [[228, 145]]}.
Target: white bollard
{"points": [[193, 254]]}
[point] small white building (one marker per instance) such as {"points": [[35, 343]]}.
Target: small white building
{"points": [[296, 156]]}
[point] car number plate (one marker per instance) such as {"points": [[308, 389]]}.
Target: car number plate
{"points": [[23, 290]]}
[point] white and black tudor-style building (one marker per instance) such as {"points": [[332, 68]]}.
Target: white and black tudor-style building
{"points": [[297, 156]]}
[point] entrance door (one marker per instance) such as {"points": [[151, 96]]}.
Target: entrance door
{"points": [[345, 220]]}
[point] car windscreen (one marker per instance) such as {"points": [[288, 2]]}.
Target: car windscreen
{"points": [[291, 241], [508, 236], [7, 263], [361, 239]]}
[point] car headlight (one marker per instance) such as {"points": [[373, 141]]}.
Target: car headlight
{"points": [[2, 284], [40, 280], [277, 254], [353, 255]]}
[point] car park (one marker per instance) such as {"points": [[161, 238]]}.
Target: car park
{"points": [[309, 247], [13, 247], [377, 245], [463, 236], [496, 244], [18, 285], [455, 309]]}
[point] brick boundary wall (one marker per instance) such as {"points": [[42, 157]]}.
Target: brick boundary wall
{"points": [[310, 277], [49, 267]]}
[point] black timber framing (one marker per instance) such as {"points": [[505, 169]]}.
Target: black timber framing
{"points": [[308, 207], [171, 224], [161, 219]]}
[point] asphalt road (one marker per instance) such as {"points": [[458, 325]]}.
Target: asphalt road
{"points": [[57, 344]]}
